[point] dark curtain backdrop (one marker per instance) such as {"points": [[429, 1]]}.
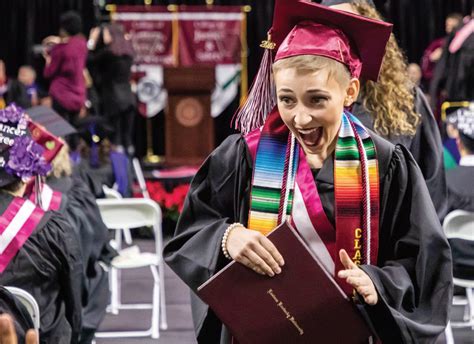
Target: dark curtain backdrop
{"points": [[26, 22]]}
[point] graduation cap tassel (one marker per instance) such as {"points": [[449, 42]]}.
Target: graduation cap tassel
{"points": [[261, 98], [37, 190]]}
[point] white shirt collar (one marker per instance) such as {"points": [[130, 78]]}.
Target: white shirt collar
{"points": [[467, 160]]}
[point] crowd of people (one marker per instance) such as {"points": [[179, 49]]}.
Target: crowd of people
{"points": [[353, 144]]}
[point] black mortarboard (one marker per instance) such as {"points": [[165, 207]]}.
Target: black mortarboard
{"points": [[51, 120]]}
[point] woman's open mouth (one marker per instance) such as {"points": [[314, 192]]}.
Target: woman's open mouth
{"points": [[311, 137]]}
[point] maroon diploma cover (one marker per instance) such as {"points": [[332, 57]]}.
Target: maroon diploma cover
{"points": [[303, 304]]}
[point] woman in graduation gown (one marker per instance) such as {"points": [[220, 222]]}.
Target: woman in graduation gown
{"points": [[41, 254], [71, 197], [399, 112], [80, 207], [359, 202]]}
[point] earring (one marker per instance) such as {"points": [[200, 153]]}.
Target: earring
{"points": [[348, 101]]}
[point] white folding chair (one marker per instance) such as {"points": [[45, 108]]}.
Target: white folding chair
{"points": [[29, 302], [114, 194], [459, 224], [134, 213], [140, 178]]}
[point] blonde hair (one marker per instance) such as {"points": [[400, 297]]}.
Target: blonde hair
{"points": [[391, 101], [61, 164], [314, 63]]}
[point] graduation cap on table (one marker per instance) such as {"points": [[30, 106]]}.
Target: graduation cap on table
{"points": [[51, 120], [304, 28]]}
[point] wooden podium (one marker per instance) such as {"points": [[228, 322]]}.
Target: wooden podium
{"points": [[189, 134]]}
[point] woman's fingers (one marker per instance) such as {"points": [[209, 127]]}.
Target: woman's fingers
{"points": [[7, 330], [346, 260], [263, 253], [245, 261], [259, 262], [31, 337], [268, 245], [362, 283], [258, 250]]}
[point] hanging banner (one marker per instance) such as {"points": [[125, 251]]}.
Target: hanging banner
{"points": [[206, 36], [209, 37], [150, 30], [213, 37]]}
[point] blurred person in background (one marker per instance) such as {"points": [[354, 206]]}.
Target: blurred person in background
{"points": [[453, 78], [414, 74], [433, 52], [110, 61], [11, 90], [65, 58], [459, 179], [27, 76]]}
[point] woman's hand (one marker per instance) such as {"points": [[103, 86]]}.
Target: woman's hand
{"points": [[51, 40], [254, 250], [357, 278]]}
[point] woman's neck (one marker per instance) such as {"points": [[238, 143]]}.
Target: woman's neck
{"points": [[20, 192], [316, 160]]}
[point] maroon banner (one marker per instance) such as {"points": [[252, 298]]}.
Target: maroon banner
{"points": [[150, 29], [210, 37]]}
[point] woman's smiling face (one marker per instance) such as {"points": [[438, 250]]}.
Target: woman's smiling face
{"points": [[311, 105]]}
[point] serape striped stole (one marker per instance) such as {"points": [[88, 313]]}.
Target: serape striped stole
{"points": [[356, 184], [275, 164]]}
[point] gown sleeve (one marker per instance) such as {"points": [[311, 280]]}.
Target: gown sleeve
{"points": [[218, 197], [413, 276], [427, 150], [63, 242]]}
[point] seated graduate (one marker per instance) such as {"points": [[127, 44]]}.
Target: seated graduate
{"points": [[459, 179], [69, 195], [100, 163], [359, 202], [41, 255]]}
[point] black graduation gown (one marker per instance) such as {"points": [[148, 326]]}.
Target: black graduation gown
{"points": [[426, 148], [112, 74], [80, 207], [454, 73], [49, 266], [461, 188], [413, 276]]}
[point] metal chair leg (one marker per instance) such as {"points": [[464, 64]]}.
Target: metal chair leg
{"points": [[155, 315]]}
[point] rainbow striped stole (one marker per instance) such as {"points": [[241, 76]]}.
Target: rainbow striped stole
{"points": [[273, 178], [356, 184]]}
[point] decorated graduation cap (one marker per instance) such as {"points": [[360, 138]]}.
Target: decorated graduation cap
{"points": [[21, 158], [51, 144], [303, 28], [463, 120]]}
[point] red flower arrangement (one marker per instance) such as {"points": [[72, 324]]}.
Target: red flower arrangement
{"points": [[171, 203]]}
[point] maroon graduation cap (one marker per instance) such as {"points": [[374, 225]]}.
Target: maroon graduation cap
{"points": [[304, 28]]}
